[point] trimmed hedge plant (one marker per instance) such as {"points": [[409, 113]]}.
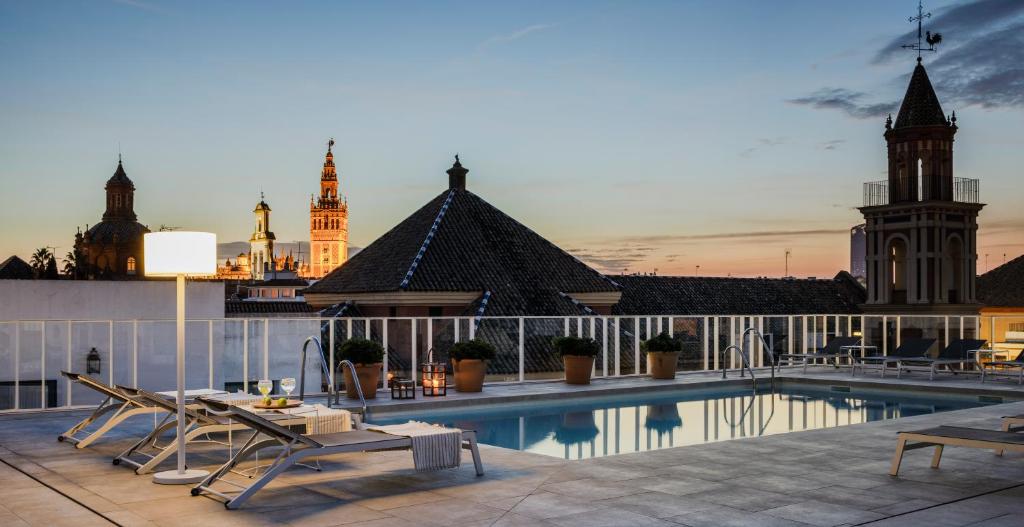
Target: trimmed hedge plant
{"points": [[472, 349], [361, 351], [576, 347], [662, 342]]}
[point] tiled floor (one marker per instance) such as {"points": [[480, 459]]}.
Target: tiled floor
{"points": [[822, 477]]}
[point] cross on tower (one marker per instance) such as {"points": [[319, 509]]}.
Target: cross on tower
{"points": [[928, 37]]}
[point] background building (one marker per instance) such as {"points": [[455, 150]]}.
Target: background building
{"points": [[921, 223], [112, 249], [328, 223]]}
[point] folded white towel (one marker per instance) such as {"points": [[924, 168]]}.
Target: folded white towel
{"points": [[433, 447]]}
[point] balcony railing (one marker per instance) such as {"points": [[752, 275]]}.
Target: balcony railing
{"points": [[233, 354], [963, 190]]}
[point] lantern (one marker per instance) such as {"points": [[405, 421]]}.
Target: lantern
{"points": [[434, 377], [92, 362], [403, 389]]}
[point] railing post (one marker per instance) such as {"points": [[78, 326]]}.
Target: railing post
{"points": [[472, 328], [604, 346], [412, 340], [456, 332], [593, 334], [705, 333], [68, 380], [714, 346], [618, 349], [384, 344], [863, 335], [42, 365], [110, 351], [885, 335], [522, 349], [565, 327], [430, 334], [245, 355], [899, 329], [209, 334], [17, 364], [330, 344], [636, 346], [732, 342], [135, 353]]}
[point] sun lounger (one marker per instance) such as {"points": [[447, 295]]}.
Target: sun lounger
{"points": [[1005, 368], [942, 436], [117, 401], [909, 349], [955, 354], [833, 350], [297, 447], [148, 452]]}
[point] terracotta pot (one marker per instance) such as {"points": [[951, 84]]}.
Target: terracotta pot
{"points": [[369, 377], [577, 369], [662, 364], [469, 374]]}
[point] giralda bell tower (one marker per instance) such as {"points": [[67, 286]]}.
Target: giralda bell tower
{"points": [[328, 223]]}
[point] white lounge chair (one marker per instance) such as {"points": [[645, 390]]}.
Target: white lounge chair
{"points": [[117, 401], [297, 447], [942, 436]]}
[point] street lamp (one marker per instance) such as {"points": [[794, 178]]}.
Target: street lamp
{"points": [[180, 253]]}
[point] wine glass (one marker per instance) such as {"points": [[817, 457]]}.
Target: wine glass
{"points": [[264, 386], [288, 384]]}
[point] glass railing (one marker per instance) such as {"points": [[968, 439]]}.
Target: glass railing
{"points": [[233, 354]]}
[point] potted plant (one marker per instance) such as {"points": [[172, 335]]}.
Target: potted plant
{"points": [[578, 357], [366, 356], [662, 355], [469, 362]]}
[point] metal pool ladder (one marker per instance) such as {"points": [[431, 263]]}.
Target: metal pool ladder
{"points": [[326, 370], [355, 382], [744, 354]]}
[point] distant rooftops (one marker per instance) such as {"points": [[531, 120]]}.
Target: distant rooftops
{"points": [[1004, 285]]}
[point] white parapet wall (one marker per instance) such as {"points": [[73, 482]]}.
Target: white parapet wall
{"points": [[106, 300]]}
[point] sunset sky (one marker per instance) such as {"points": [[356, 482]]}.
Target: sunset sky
{"points": [[637, 135]]}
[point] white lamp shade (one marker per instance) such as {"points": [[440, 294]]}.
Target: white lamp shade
{"points": [[172, 253]]}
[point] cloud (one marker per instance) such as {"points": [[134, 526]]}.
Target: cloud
{"points": [[511, 37], [747, 235], [833, 144], [764, 142], [612, 260], [848, 101]]}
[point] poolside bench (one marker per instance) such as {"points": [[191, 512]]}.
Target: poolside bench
{"points": [[942, 436]]}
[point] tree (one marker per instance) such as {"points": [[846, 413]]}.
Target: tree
{"points": [[40, 259], [74, 264], [50, 273]]}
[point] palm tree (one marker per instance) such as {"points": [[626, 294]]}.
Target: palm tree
{"points": [[40, 259], [70, 269]]}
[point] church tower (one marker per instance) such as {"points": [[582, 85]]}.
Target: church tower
{"points": [[921, 223], [328, 223], [261, 244]]}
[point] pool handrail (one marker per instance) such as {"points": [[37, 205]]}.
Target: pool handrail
{"points": [[324, 369]]}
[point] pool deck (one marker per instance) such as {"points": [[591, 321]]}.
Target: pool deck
{"points": [[824, 477]]}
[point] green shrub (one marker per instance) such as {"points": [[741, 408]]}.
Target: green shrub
{"points": [[662, 342], [361, 351], [575, 347], [472, 349]]}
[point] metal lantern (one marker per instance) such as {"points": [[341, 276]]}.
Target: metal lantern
{"points": [[434, 377], [92, 362], [403, 389]]}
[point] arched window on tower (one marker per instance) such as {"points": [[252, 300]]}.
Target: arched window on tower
{"points": [[130, 266]]}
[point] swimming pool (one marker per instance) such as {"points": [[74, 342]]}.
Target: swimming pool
{"points": [[601, 426]]}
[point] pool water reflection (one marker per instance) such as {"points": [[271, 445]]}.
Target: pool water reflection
{"points": [[595, 427]]}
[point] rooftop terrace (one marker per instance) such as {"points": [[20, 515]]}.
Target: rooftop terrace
{"points": [[833, 476]]}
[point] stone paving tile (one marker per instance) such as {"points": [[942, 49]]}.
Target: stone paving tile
{"points": [[722, 516], [610, 518], [658, 504], [677, 485], [823, 514], [747, 499], [446, 512], [594, 489], [544, 505]]}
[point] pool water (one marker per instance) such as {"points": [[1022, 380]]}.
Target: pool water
{"points": [[601, 426]]}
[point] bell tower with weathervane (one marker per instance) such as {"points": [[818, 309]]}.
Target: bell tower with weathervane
{"points": [[328, 223], [921, 223]]}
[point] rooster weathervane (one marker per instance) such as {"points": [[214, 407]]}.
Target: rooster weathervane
{"points": [[930, 38]]}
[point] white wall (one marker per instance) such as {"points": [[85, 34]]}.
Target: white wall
{"points": [[106, 300]]}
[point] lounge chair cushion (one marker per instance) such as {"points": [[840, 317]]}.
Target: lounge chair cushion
{"points": [[974, 434], [354, 437]]}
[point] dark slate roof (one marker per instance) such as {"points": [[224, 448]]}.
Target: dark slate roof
{"points": [[698, 295], [125, 230], [243, 307], [477, 248], [120, 177], [920, 105], [1004, 285], [14, 268]]}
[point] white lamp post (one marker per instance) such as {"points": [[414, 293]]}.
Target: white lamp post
{"points": [[180, 253]]}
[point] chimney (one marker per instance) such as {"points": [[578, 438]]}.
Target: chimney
{"points": [[457, 175]]}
